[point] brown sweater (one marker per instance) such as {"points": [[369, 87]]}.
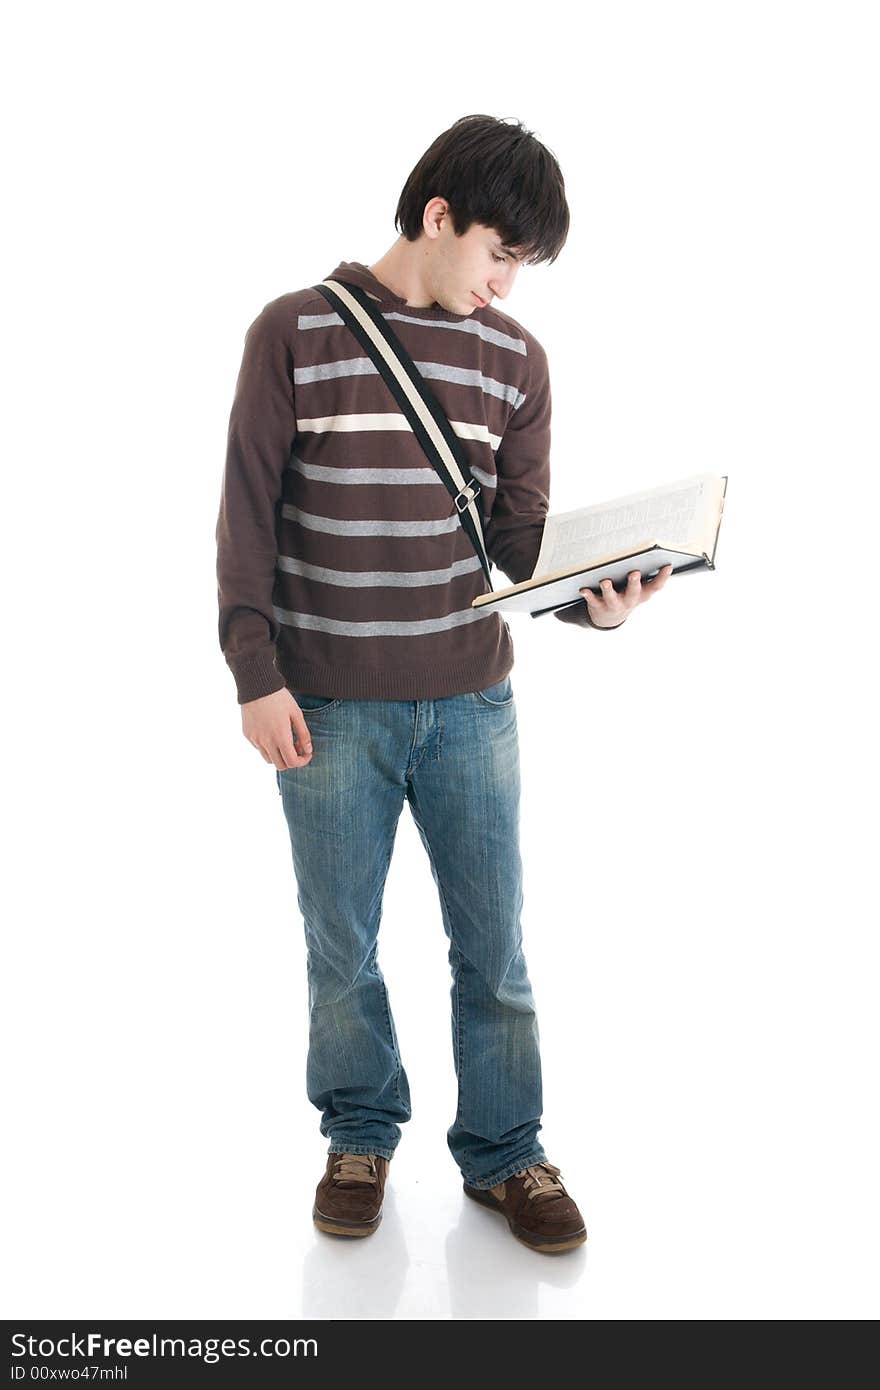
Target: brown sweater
{"points": [[342, 566]]}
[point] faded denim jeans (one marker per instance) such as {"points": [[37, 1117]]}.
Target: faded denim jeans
{"points": [[456, 761]]}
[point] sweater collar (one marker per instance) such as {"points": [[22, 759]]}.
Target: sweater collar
{"points": [[356, 273]]}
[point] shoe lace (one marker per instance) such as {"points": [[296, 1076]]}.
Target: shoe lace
{"points": [[355, 1168], [541, 1180]]}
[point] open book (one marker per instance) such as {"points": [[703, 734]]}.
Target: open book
{"points": [[677, 524]]}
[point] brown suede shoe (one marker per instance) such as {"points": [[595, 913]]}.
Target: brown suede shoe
{"points": [[348, 1199], [538, 1209]]}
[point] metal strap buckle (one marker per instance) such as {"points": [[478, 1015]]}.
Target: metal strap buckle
{"points": [[468, 492]]}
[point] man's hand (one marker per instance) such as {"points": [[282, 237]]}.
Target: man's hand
{"points": [[613, 608], [271, 724]]}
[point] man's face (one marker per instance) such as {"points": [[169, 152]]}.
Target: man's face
{"points": [[471, 265]]}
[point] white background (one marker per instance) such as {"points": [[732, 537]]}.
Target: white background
{"points": [[699, 790]]}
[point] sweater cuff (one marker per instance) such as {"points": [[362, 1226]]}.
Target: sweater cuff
{"points": [[579, 615], [256, 675]]}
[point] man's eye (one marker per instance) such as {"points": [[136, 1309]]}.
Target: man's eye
{"points": [[498, 258]]}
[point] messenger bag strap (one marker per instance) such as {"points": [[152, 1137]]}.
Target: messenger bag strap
{"points": [[423, 411]]}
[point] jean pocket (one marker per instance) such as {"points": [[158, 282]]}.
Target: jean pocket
{"points": [[314, 704], [501, 693]]}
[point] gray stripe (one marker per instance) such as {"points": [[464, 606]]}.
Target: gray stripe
{"points": [[319, 320], [324, 371], [432, 371], [439, 371], [336, 527], [394, 579], [324, 474], [482, 330], [380, 629], [483, 478]]}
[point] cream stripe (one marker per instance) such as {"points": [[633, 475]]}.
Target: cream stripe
{"points": [[390, 420]]}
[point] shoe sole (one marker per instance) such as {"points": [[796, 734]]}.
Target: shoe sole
{"points": [[334, 1227], [544, 1247]]}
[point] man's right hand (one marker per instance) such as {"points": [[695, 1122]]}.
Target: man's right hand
{"points": [[272, 723]]}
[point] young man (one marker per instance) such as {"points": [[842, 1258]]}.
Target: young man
{"points": [[366, 677]]}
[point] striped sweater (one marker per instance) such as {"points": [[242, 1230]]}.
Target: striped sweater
{"points": [[342, 566]]}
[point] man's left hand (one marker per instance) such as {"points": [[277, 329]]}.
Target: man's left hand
{"points": [[613, 608]]}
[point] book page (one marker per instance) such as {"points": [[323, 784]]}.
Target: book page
{"points": [[675, 514]]}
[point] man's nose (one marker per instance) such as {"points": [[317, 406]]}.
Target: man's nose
{"points": [[502, 282]]}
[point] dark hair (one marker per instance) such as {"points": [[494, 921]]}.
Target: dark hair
{"points": [[496, 174]]}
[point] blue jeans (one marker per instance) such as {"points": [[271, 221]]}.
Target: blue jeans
{"points": [[456, 761]]}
